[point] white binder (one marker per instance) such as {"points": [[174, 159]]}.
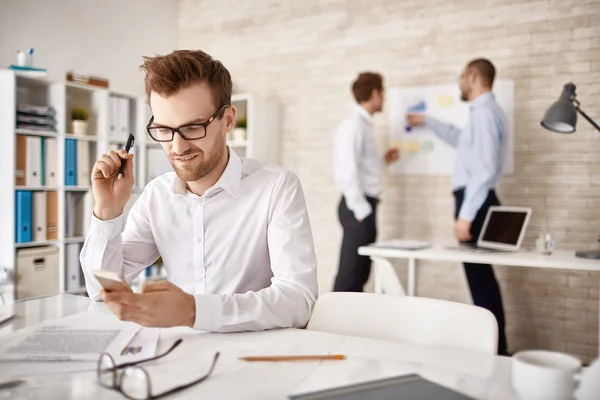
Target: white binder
{"points": [[114, 118], [33, 169], [51, 163], [83, 163], [39, 216], [158, 163], [84, 207], [124, 116], [73, 266]]}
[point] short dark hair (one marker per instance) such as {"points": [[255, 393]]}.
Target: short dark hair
{"points": [[485, 69], [365, 83], [166, 75]]}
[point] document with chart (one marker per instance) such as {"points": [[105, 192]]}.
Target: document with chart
{"points": [[81, 337]]}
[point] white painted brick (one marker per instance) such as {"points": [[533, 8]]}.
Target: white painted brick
{"points": [[304, 55]]}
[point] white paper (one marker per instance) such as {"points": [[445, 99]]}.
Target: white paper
{"points": [[81, 337]]}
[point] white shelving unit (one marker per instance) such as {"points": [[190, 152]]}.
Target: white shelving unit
{"points": [[261, 140], [63, 97]]}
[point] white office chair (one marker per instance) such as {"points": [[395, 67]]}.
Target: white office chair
{"points": [[385, 279], [416, 320]]}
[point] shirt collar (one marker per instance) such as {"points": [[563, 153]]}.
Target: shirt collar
{"points": [[360, 110], [482, 99], [229, 180]]}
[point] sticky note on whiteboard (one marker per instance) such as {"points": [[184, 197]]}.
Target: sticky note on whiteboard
{"points": [[427, 145], [445, 100], [411, 146]]}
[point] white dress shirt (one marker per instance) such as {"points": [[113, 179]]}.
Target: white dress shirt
{"points": [[357, 163], [244, 249]]}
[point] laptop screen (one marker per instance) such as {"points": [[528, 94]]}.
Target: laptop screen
{"points": [[505, 227]]}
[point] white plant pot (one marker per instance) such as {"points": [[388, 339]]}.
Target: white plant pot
{"points": [[239, 134], [80, 127]]}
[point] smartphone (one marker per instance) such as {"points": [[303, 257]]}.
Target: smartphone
{"points": [[111, 281], [128, 146]]}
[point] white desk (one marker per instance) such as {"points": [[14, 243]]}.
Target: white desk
{"points": [[558, 260], [478, 375]]}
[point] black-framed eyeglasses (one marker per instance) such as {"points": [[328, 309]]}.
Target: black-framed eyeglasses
{"points": [[134, 381], [187, 132]]}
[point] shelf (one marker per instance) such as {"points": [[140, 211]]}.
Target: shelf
{"points": [[36, 244], [234, 143], [117, 141], [76, 239], [237, 98], [33, 82], [37, 188], [77, 188], [81, 290], [153, 145], [33, 132], [84, 88], [89, 138]]}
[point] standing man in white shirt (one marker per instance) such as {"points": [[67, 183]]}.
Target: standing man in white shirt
{"points": [[357, 171], [233, 233]]}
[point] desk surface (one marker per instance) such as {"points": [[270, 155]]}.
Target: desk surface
{"points": [[478, 375], [558, 260]]}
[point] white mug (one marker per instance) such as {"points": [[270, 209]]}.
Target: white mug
{"points": [[545, 375]]}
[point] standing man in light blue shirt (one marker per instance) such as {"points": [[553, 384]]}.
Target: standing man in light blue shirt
{"points": [[481, 149]]}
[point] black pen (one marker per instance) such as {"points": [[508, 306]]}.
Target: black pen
{"points": [[128, 146]]}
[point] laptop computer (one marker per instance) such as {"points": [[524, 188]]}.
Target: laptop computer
{"points": [[410, 387], [503, 230]]}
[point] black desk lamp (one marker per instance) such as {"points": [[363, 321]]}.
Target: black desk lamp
{"points": [[561, 117]]}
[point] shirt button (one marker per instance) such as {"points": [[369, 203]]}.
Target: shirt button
{"points": [[201, 240]]}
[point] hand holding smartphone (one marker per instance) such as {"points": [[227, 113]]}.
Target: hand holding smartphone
{"points": [[111, 281]]}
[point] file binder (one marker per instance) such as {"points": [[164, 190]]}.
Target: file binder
{"points": [[23, 208], [83, 164], [52, 216], [74, 271], [39, 216], [33, 169], [70, 162], [21, 160], [51, 162]]}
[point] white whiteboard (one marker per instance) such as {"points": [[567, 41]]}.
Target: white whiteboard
{"points": [[421, 151]]}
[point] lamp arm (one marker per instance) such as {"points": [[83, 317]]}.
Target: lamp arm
{"points": [[584, 115]]}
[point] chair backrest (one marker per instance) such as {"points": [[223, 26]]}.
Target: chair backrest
{"points": [[405, 319]]}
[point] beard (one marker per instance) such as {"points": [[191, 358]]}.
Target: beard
{"points": [[202, 165]]}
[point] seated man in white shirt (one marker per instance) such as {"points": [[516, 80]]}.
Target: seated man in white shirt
{"points": [[233, 233]]}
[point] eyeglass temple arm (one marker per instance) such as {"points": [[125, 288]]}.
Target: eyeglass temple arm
{"points": [[187, 385]]}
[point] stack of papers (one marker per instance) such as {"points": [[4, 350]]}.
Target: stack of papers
{"points": [[74, 344]]}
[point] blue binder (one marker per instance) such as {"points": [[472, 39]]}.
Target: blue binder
{"points": [[70, 162], [23, 210]]}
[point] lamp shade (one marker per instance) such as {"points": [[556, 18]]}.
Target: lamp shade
{"points": [[561, 117]]}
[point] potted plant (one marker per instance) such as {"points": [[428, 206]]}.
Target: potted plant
{"points": [[80, 121], [239, 131]]}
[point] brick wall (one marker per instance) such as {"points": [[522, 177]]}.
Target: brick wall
{"points": [[305, 53]]}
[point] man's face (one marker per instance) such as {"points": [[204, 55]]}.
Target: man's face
{"points": [[464, 84], [192, 159], [378, 99]]}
